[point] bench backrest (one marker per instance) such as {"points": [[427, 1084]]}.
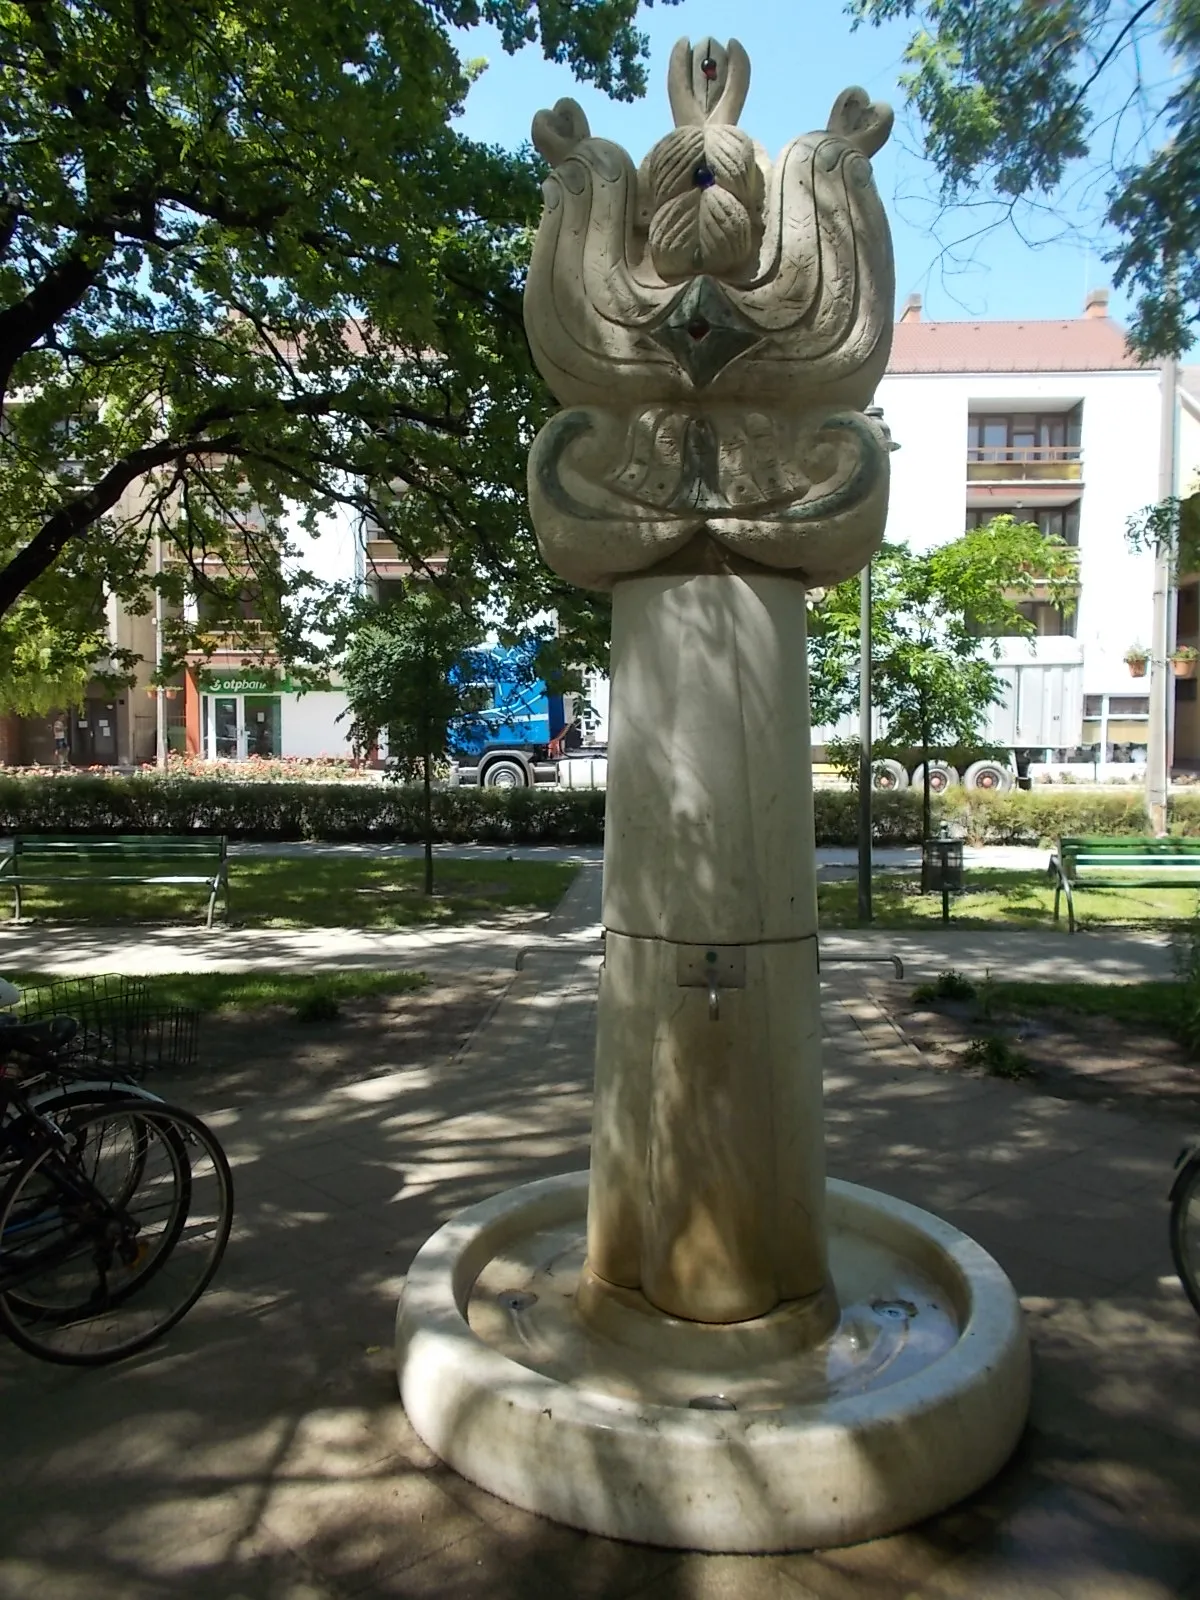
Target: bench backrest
{"points": [[1127, 853], [119, 847]]}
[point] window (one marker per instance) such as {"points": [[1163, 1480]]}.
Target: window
{"points": [[1024, 435], [1117, 725], [1060, 522], [1187, 615]]}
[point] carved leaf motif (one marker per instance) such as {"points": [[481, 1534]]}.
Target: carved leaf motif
{"points": [[708, 230]]}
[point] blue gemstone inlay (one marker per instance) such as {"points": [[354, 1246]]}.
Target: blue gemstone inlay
{"points": [[704, 177]]}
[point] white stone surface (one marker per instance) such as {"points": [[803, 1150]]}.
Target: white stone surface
{"points": [[716, 325], [716, 322], [707, 1152], [708, 823], [853, 1467]]}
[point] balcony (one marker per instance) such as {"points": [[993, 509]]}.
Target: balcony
{"points": [[385, 563], [1030, 463]]}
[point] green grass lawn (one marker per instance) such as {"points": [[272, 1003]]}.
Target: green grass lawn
{"points": [[995, 898], [1152, 1006], [319, 892], [237, 991]]}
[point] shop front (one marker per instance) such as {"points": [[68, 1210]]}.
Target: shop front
{"points": [[240, 714], [248, 713]]}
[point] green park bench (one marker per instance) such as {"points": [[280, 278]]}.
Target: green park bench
{"points": [[1122, 863], [44, 858]]}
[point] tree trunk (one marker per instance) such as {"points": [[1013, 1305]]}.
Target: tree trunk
{"points": [[926, 791], [428, 820]]}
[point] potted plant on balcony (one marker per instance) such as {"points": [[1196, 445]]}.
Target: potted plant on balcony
{"points": [[1183, 660], [1137, 659]]}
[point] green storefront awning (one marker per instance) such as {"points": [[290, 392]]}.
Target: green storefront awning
{"points": [[250, 680]]}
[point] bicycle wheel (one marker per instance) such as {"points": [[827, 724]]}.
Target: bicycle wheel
{"points": [[66, 1102], [63, 1103], [86, 1280], [1185, 1226], [78, 1240]]}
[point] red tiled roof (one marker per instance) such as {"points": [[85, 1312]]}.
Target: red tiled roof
{"points": [[1083, 344]]}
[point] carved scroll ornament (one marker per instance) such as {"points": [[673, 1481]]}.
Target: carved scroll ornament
{"points": [[715, 325]]}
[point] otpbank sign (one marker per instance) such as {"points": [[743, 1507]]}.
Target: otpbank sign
{"points": [[245, 682]]}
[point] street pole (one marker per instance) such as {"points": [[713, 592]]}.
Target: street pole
{"points": [[864, 747], [160, 699], [1157, 776]]}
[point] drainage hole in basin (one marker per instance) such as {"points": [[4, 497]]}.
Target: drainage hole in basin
{"points": [[516, 1299], [711, 1402], [894, 1310]]}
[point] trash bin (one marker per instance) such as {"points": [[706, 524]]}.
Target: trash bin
{"points": [[942, 868]]}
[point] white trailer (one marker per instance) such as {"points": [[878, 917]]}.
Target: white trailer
{"points": [[1039, 713]]}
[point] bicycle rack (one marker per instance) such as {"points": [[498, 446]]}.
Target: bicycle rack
{"points": [[893, 961]]}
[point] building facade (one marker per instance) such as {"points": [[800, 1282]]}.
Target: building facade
{"points": [[1054, 423]]}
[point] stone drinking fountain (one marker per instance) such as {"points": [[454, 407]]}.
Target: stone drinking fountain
{"points": [[704, 1342]]}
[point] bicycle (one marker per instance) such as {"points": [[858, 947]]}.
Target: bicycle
{"points": [[115, 1210], [1185, 1221]]}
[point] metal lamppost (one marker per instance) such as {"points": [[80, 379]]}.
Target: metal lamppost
{"points": [[864, 746], [1157, 774]]}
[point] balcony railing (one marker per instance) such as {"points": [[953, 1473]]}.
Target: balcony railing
{"points": [[1027, 463], [1023, 452]]}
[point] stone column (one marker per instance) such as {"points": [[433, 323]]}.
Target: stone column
{"points": [[707, 1185]]}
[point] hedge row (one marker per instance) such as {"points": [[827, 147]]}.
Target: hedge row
{"points": [[393, 812], [382, 811]]}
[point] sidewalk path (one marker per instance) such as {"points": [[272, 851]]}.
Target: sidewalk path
{"points": [[571, 932], [261, 1453]]}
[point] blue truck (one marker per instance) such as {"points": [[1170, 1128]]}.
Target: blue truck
{"points": [[521, 732]]}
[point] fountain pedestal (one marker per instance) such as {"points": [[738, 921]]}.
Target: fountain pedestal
{"points": [[702, 1342], [707, 1189]]}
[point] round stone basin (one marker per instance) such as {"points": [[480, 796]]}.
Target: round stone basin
{"points": [[618, 1420]]}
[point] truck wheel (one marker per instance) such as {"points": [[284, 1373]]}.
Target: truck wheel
{"points": [[505, 775], [942, 776], [888, 775], [988, 775]]}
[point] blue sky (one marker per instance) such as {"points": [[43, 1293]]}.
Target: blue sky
{"points": [[801, 57]]}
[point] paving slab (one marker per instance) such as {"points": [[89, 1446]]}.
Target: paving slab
{"points": [[261, 1452]]}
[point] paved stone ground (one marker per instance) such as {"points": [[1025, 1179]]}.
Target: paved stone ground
{"points": [[260, 1453]]}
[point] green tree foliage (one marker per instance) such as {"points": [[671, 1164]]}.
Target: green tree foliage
{"points": [[247, 262], [1015, 93], [400, 678], [934, 621]]}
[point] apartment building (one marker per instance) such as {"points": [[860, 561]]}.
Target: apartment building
{"points": [[1053, 422], [239, 701]]}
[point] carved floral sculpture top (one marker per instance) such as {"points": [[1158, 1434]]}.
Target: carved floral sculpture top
{"points": [[715, 325]]}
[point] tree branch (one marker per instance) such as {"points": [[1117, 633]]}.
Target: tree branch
{"points": [[30, 319], [73, 519]]}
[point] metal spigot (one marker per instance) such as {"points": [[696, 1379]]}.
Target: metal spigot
{"points": [[713, 968]]}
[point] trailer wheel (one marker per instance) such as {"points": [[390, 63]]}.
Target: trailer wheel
{"points": [[988, 775], [888, 775], [942, 776], [505, 774]]}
